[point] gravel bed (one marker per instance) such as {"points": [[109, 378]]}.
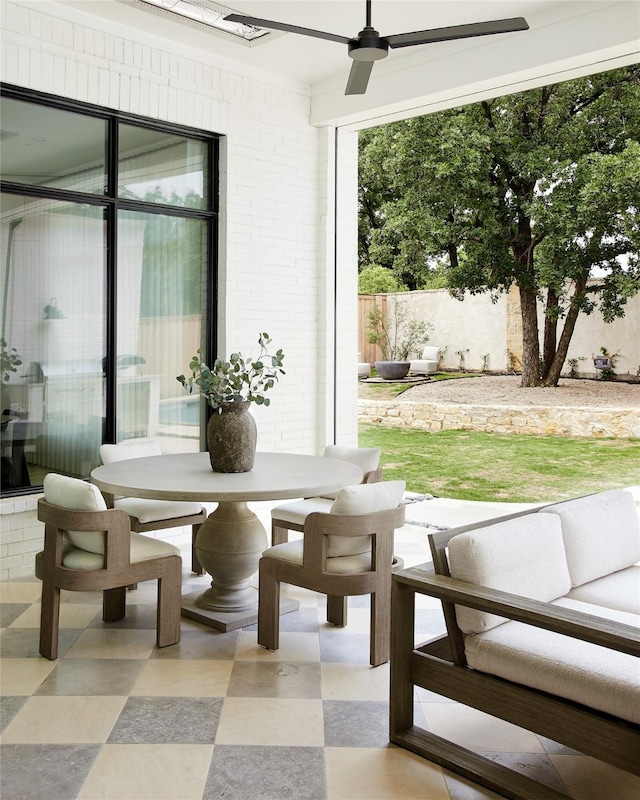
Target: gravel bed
{"points": [[505, 390]]}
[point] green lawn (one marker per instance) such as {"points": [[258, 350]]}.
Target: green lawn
{"points": [[503, 467]]}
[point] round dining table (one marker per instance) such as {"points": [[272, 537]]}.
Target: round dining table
{"points": [[232, 538]]}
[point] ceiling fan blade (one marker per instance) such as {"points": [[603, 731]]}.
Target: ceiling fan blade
{"points": [[458, 32], [359, 77], [284, 26]]}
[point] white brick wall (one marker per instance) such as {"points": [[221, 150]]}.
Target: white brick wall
{"points": [[276, 226]]}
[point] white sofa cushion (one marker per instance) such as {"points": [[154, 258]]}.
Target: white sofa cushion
{"points": [[601, 534], [619, 590], [523, 556], [76, 495], [585, 673]]}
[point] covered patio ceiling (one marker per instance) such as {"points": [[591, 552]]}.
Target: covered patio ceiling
{"points": [[566, 39]]}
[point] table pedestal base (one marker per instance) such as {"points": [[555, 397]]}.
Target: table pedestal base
{"points": [[229, 545], [228, 620]]}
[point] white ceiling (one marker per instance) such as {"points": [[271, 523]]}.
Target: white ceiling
{"points": [[566, 39]]}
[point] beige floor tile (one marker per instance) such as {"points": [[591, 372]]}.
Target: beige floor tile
{"points": [[177, 678], [271, 721], [362, 773], [293, 647], [22, 676], [112, 643], [11, 592], [64, 720], [148, 772], [478, 731], [589, 779], [72, 615], [358, 621], [355, 682]]}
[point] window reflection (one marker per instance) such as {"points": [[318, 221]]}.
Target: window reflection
{"points": [[53, 320], [161, 168]]}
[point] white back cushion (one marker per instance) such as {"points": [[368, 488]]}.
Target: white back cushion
{"points": [[367, 458], [431, 353], [601, 534], [364, 498], [524, 556], [109, 453], [76, 495]]}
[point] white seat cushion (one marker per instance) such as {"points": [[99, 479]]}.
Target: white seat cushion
{"points": [[142, 549], [523, 556], [156, 510], [291, 552], [585, 673], [601, 534], [619, 590], [298, 511]]}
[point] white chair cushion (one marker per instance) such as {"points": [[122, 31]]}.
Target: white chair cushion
{"points": [[143, 448], [156, 510], [431, 353], [367, 458], [619, 590], [291, 552], [364, 498], [297, 511], [76, 495], [523, 556], [142, 549], [579, 671], [601, 534]]}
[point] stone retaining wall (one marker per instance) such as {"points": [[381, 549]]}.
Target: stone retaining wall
{"points": [[621, 423]]}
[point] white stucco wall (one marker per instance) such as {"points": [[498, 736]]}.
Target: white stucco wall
{"points": [[278, 259]]}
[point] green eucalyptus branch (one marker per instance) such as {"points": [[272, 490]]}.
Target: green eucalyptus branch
{"points": [[238, 379]]}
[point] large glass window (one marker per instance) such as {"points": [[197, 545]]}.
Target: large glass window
{"points": [[106, 260]]}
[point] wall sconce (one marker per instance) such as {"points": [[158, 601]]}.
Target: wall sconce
{"points": [[52, 311]]}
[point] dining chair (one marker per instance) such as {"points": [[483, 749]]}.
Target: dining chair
{"points": [[88, 547], [291, 516], [153, 515], [347, 551]]}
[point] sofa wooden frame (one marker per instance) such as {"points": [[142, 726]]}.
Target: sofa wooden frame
{"points": [[440, 666]]}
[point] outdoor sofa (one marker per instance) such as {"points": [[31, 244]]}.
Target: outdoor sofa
{"points": [[542, 612]]}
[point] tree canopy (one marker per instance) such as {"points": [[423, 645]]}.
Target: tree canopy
{"points": [[539, 189]]}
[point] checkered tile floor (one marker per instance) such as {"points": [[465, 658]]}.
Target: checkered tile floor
{"points": [[219, 717]]}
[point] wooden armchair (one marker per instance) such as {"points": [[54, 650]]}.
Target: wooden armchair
{"points": [[292, 516], [88, 547], [154, 515], [346, 552], [580, 716]]}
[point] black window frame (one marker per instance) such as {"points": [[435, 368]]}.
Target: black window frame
{"points": [[112, 204]]}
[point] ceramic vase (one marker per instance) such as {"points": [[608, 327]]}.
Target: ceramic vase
{"points": [[232, 437]]}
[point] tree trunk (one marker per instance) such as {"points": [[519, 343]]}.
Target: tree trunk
{"points": [[530, 344], [550, 333], [553, 375]]}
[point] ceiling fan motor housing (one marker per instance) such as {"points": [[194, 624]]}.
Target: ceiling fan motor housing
{"points": [[368, 46]]}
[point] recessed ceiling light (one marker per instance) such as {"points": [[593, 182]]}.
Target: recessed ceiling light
{"points": [[210, 14]]}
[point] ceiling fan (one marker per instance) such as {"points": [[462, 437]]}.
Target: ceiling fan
{"points": [[368, 46]]}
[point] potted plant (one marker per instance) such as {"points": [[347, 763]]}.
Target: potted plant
{"points": [[397, 336], [229, 387], [9, 363]]}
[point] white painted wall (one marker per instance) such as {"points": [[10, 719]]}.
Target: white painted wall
{"points": [[278, 262]]}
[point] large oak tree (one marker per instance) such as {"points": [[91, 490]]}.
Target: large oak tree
{"points": [[539, 189]]}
